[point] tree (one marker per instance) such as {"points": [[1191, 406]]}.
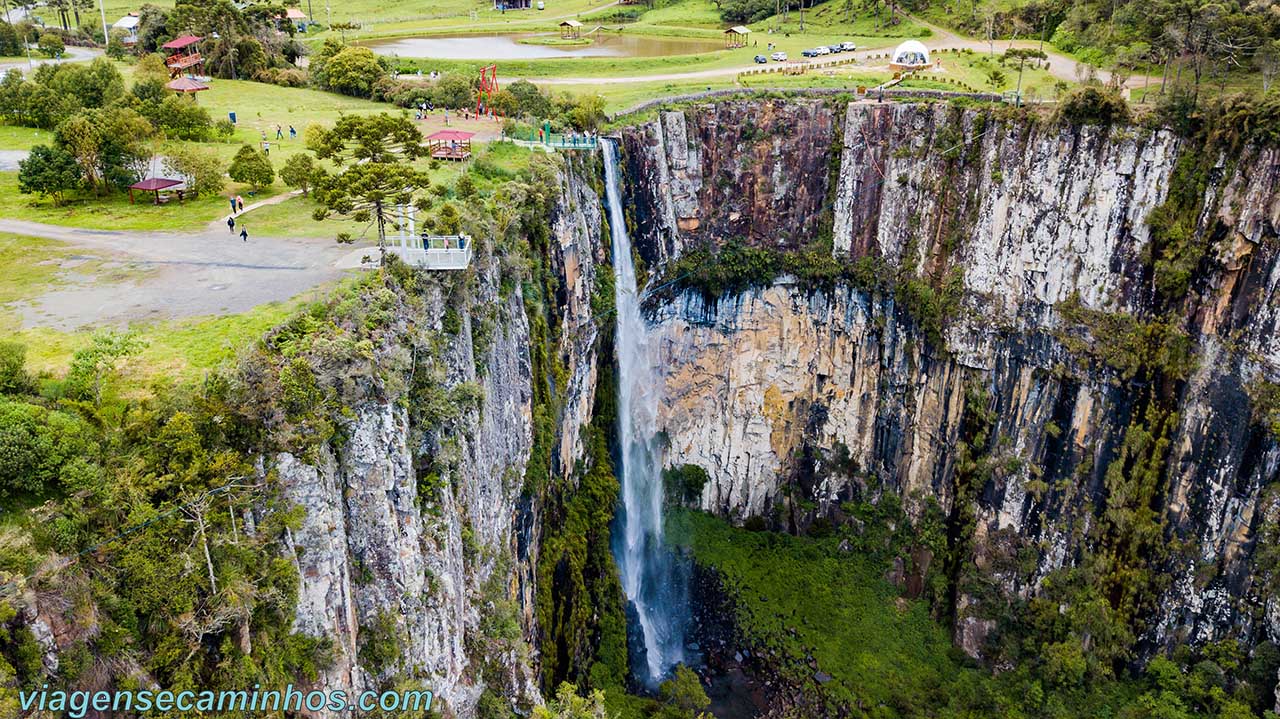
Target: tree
{"points": [[13, 372], [297, 172], [1022, 55], [182, 119], [151, 67], [568, 705], [343, 28], [996, 78], [529, 99], [370, 138], [252, 166], [199, 167], [587, 112], [373, 192], [108, 145], [454, 91], [51, 44], [353, 71], [49, 171], [683, 696]]}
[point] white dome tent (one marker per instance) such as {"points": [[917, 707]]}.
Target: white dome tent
{"points": [[910, 55]]}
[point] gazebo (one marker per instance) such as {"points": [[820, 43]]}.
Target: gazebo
{"points": [[450, 145], [570, 30], [183, 54], [910, 55], [156, 185], [186, 86], [736, 36]]}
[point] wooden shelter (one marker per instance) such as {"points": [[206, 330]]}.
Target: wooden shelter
{"points": [[186, 86], [450, 145], [156, 185], [184, 55], [570, 30], [736, 36]]}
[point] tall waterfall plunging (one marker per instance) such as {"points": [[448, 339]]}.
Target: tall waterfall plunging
{"points": [[651, 577]]}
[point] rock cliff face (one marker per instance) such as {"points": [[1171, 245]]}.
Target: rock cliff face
{"points": [[1046, 228], [379, 559]]}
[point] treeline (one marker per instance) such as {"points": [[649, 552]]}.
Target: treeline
{"points": [[105, 134], [1186, 40], [243, 44]]}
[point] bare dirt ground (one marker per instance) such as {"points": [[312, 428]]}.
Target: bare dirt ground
{"points": [[141, 276]]}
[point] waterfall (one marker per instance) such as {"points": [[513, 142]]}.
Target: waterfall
{"points": [[651, 577]]}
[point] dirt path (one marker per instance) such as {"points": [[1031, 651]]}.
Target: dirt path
{"points": [[166, 275]]}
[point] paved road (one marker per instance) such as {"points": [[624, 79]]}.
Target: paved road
{"points": [[73, 54], [165, 275]]}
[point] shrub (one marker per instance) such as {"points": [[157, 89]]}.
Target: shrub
{"points": [[13, 372], [199, 167], [298, 171], [252, 166], [1093, 105], [51, 44]]}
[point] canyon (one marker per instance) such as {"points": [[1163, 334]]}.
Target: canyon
{"points": [[1011, 341]]}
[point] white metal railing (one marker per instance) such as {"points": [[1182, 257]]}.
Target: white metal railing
{"points": [[434, 258]]}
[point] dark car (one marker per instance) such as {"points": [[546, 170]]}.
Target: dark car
{"points": [[761, 59], [809, 53]]}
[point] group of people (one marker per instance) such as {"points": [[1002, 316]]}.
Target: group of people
{"points": [[237, 206], [266, 144]]}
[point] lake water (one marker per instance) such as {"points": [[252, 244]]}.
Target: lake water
{"points": [[509, 47]]}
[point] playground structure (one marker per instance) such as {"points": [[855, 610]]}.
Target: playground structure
{"points": [[486, 89]]}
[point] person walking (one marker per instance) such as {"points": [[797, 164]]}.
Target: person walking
{"points": [[239, 203], [266, 148], [279, 133], [244, 234], [231, 224], [293, 134], [232, 200]]}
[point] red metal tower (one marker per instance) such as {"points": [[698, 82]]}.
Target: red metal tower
{"points": [[487, 88]]}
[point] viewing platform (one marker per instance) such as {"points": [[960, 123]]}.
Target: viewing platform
{"points": [[443, 253]]}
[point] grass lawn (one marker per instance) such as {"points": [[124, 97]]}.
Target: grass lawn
{"points": [[22, 138], [113, 212], [803, 597]]}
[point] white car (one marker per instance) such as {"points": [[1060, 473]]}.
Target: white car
{"points": [[848, 46], [822, 50], [779, 57]]}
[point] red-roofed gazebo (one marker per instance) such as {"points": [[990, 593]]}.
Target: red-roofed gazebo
{"points": [[188, 85], [156, 184], [183, 54], [450, 144]]}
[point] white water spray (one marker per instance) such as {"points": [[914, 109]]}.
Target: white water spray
{"points": [[650, 576]]}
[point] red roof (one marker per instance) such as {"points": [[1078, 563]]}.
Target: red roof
{"points": [[186, 84], [155, 183], [180, 42], [451, 135]]}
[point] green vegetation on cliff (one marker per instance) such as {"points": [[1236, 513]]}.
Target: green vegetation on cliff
{"points": [[821, 613]]}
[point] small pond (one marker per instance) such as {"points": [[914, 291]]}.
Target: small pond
{"points": [[510, 47]]}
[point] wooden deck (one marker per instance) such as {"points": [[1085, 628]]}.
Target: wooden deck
{"points": [[451, 153]]}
